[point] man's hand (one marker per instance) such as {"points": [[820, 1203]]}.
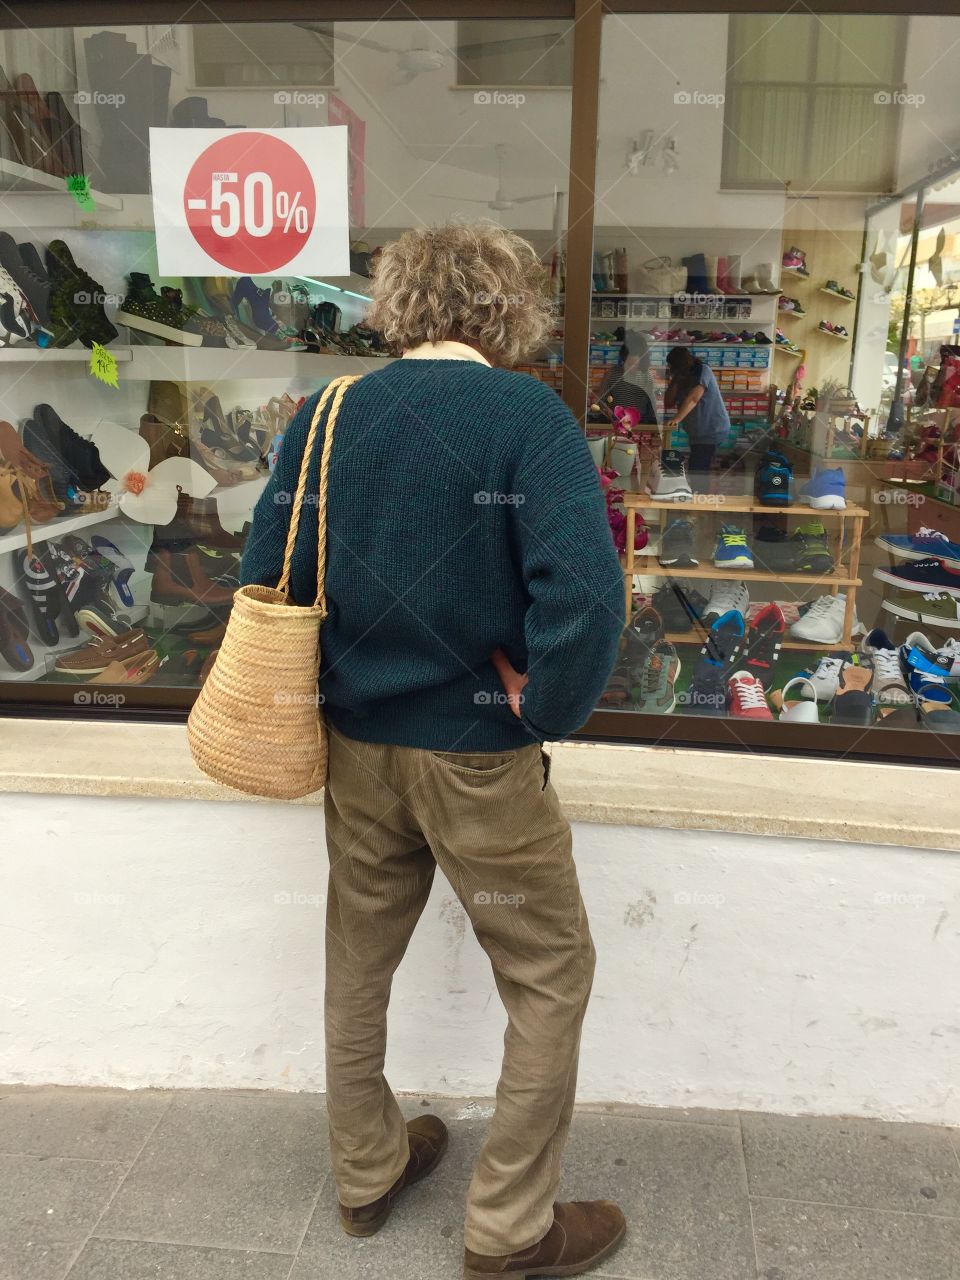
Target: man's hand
{"points": [[512, 680]]}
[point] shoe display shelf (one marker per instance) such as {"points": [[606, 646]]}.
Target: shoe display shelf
{"points": [[16, 539], [56, 355], [845, 576], [220, 364], [840, 297], [20, 179]]}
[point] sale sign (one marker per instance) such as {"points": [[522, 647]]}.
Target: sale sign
{"points": [[246, 202]]}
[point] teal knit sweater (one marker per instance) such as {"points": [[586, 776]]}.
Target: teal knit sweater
{"points": [[464, 514]]}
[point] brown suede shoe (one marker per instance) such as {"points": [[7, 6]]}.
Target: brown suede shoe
{"points": [[584, 1232], [428, 1142]]}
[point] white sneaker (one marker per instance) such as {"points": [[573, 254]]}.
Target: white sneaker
{"points": [[669, 484], [726, 595], [888, 681], [823, 621], [825, 677]]}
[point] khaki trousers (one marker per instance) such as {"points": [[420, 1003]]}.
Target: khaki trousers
{"points": [[494, 826]]}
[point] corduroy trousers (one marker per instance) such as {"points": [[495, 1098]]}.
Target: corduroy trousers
{"points": [[494, 826]]}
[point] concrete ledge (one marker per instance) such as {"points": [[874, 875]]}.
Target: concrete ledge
{"points": [[620, 785]]}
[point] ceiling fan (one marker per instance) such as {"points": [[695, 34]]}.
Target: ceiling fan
{"points": [[421, 57], [502, 200]]}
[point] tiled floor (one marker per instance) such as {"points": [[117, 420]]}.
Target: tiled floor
{"points": [[109, 1185]]}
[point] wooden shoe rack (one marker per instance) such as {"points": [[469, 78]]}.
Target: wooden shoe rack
{"points": [[844, 577]]}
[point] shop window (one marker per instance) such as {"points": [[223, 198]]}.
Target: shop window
{"points": [[776, 381], [813, 104], [500, 54], [125, 503]]}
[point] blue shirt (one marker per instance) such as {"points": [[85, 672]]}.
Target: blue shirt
{"points": [[709, 420]]}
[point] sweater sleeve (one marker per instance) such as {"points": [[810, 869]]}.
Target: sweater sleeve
{"points": [[572, 574], [262, 560]]}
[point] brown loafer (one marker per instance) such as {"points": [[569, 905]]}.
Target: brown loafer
{"points": [[584, 1232], [428, 1141]]}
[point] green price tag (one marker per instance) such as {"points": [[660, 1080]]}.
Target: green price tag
{"points": [[78, 184], [104, 366]]}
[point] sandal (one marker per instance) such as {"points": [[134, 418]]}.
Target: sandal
{"points": [[215, 461], [854, 704], [800, 710]]}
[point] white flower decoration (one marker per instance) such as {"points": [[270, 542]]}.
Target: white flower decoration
{"points": [[145, 493]]}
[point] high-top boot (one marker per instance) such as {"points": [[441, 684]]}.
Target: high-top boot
{"points": [[710, 274], [696, 273], [179, 578], [734, 273]]}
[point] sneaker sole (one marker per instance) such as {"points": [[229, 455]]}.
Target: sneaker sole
{"points": [[741, 562], [903, 554], [669, 497], [679, 562], [830, 502], [160, 330], [885, 575]]}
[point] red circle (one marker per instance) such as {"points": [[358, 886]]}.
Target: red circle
{"points": [[247, 206]]}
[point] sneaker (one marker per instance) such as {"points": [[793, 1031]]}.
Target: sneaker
{"points": [[826, 489], [764, 639], [825, 676], [854, 702], [144, 309], [640, 634], [813, 550], [833, 287], [891, 688], [773, 481], [922, 575], [823, 621], [774, 551], [656, 691], [725, 597], [707, 695], [794, 259], [677, 544], [747, 698], [935, 608], [679, 607], [731, 550], [668, 478], [76, 301], [924, 545], [918, 654]]}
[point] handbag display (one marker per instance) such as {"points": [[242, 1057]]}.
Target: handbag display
{"points": [[257, 724], [659, 276]]}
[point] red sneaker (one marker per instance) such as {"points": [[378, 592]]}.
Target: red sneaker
{"points": [[747, 699]]}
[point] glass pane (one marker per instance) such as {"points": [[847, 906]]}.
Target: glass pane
{"points": [[772, 415], [139, 495], [767, 47]]}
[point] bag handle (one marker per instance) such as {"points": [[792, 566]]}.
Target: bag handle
{"points": [[334, 391]]}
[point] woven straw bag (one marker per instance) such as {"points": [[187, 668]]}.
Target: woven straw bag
{"points": [[257, 724]]}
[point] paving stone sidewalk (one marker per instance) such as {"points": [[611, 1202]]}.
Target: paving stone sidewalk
{"points": [[99, 1184]]}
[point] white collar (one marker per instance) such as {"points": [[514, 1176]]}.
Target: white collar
{"points": [[445, 351]]}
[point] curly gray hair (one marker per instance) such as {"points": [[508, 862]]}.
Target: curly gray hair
{"points": [[469, 282]]}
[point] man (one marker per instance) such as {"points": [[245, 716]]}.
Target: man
{"points": [[475, 607]]}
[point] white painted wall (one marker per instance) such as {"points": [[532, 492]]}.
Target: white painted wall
{"points": [[147, 942]]}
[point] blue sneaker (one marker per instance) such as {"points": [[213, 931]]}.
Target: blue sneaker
{"points": [[826, 489], [919, 655], [921, 546], [707, 695], [773, 482], [731, 550]]}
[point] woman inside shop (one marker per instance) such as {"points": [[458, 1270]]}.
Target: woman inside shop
{"points": [[475, 609], [694, 402], [630, 384]]}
